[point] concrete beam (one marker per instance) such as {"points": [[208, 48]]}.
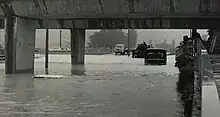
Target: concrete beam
{"points": [[135, 23], [61, 23], [155, 15], [40, 23], [59, 7]]}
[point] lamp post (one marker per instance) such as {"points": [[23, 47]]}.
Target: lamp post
{"points": [[128, 42], [60, 38], [46, 49]]}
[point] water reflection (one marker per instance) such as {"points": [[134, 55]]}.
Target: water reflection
{"points": [[21, 85], [46, 71], [185, 91], [19, 90], [78, 70]]}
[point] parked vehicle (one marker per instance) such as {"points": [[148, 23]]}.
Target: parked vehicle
{"points": [[2, 54], [204, 52], [156, 56], [140, 51], [120, 49]]}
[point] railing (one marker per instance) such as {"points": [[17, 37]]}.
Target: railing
{"points": [[206, 84], [213, 42], [198, 75]]}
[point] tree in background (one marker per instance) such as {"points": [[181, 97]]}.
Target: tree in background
{"points": [[108, 38], [67, 43], [208, 43], [133, 37]]}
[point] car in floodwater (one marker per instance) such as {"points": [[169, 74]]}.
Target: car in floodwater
{"points": [[156, 56], [119, 49], [140, 51], [204, 52], [2, 53]]}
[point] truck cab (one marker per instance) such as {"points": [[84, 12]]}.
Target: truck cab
{"points": [[119, 49]]}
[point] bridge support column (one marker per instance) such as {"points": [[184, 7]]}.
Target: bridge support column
{"points": [[19, 45], [77, 50]]}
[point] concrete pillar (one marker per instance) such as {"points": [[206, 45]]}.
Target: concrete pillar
{"points": [[9, 44], [19, 45], [77, 46], [77, 51]]}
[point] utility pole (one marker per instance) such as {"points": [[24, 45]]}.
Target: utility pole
{"points": [[60, 38], [46, 50], [128, 42]]}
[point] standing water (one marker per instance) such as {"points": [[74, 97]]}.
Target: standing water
{"points": [[110, 86]]}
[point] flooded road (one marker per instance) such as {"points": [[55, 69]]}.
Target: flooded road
{"points": [[112, 86]]}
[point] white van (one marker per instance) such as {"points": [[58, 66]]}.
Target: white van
{"points": [[119, 48]]}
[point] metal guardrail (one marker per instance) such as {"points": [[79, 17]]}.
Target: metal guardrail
{"points": [[213, 43]]}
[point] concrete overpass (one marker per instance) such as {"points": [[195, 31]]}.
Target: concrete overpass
{"points": [[96, 14], [23, 17]]}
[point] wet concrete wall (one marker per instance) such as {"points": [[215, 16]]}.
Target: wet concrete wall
{"points": [[20, 44], [25, 44]]}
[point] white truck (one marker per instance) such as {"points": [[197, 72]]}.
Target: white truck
{"points": [[120, 49]]}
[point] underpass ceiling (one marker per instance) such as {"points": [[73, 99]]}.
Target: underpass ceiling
{"points": [[73, 8]]}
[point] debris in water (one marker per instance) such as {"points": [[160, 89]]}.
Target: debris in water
{"points": [[116, 93], [97, 79], [48, 76], [145, 75], [81, 80], [122, 85], [152, 85]]}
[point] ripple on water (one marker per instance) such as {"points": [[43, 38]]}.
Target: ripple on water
{"points": [[129, 89]]}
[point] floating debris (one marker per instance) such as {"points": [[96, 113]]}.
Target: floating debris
{"points": [[116, 93], [48, 76], [122, 85]]}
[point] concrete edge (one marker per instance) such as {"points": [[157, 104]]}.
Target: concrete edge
{"points": [[210, 100], [210, 96]]}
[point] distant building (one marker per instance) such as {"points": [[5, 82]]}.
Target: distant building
{"points": [[168, 47], [150, 42], [165, 41]]}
